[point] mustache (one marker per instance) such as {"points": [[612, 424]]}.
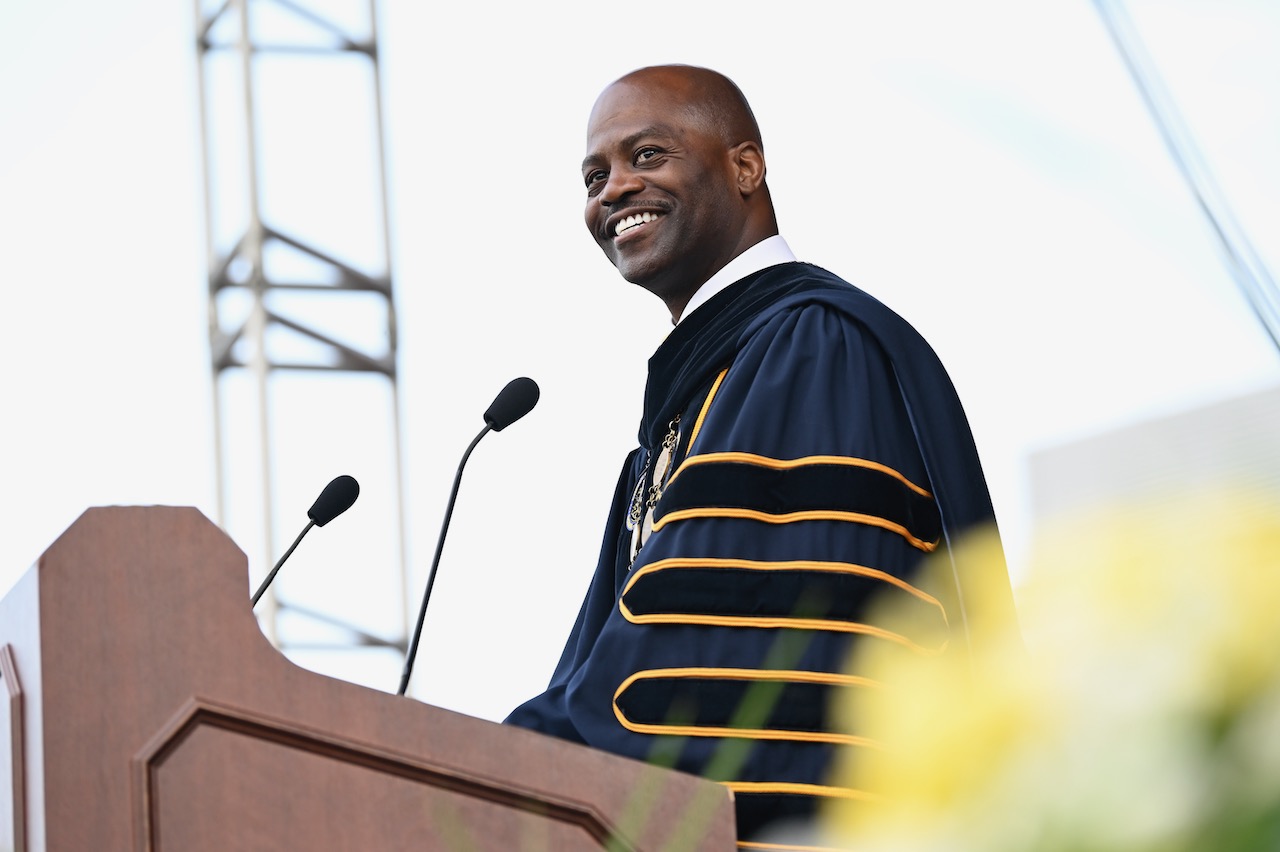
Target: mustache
{"points": [[640, 205]]}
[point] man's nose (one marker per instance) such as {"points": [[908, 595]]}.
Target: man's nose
{"points": [[621, 183]]}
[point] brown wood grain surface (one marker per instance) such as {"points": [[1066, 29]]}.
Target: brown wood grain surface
{"points": [[152, 714]]}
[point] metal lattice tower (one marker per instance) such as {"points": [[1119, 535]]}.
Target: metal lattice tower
{"points": [[302, 322]]}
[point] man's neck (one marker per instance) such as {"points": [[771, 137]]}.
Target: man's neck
{"points": [[768, 252]]}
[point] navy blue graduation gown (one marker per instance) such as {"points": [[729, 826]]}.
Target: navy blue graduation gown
{"points": [[822, 452]]}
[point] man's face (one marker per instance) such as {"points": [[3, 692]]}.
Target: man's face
{"points": [[661, 197]]}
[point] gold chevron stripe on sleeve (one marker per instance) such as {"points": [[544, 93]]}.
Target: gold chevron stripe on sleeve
{"points": [[789, 676], [793, 517], [801, 790], [787, 464], [678, 562]]}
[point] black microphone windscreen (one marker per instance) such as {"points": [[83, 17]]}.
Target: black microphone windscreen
{"points": [[513, 402], [335, 499]]}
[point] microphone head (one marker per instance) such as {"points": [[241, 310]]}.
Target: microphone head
{"points": [[513, 402], [335, 499]]}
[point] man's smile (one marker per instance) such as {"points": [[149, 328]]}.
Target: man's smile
{"points": [[633, 221]]}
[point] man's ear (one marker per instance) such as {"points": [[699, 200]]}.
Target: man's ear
{"points": [[748, 162]]}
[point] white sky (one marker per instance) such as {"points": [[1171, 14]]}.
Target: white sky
{"points": [[985, 168]]}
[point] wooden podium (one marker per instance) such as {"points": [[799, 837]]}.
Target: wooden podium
{"points": [[146, 711]]}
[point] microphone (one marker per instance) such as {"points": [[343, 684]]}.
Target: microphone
{"points": [[512, 402], [335, 499]]}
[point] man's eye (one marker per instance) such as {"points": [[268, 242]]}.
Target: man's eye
{"points": [[595, 176], [646, 154]]}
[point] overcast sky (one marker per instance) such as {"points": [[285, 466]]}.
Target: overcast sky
{"points": [[986, 169]]}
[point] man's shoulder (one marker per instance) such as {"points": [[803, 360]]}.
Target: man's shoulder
{"points": [[799, 285]]}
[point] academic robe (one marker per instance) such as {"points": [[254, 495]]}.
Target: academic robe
{"points": [[820, 453]]}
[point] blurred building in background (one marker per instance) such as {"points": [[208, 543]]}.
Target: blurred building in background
{"points": [[1229, 444]]}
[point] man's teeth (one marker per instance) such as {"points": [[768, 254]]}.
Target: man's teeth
{"points": [[631, 221]]}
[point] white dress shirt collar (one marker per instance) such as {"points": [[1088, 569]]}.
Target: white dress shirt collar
{"points": [[768, 252]]}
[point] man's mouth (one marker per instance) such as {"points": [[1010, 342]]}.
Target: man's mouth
{"points": [[633, 221]]}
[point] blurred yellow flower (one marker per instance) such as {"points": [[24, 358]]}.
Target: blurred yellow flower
{"points": [[1137, 708]]}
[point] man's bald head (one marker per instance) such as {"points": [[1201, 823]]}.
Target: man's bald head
{"points": [[710, 98]]}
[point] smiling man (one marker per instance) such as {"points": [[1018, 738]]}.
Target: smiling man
{"points": [[669, 198], [802, 450]]}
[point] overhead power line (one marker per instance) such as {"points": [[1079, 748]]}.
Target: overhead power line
{"points": [[1243, 262]]}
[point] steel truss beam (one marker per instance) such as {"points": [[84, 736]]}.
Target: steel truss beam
{"points": [[271, 285]]}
